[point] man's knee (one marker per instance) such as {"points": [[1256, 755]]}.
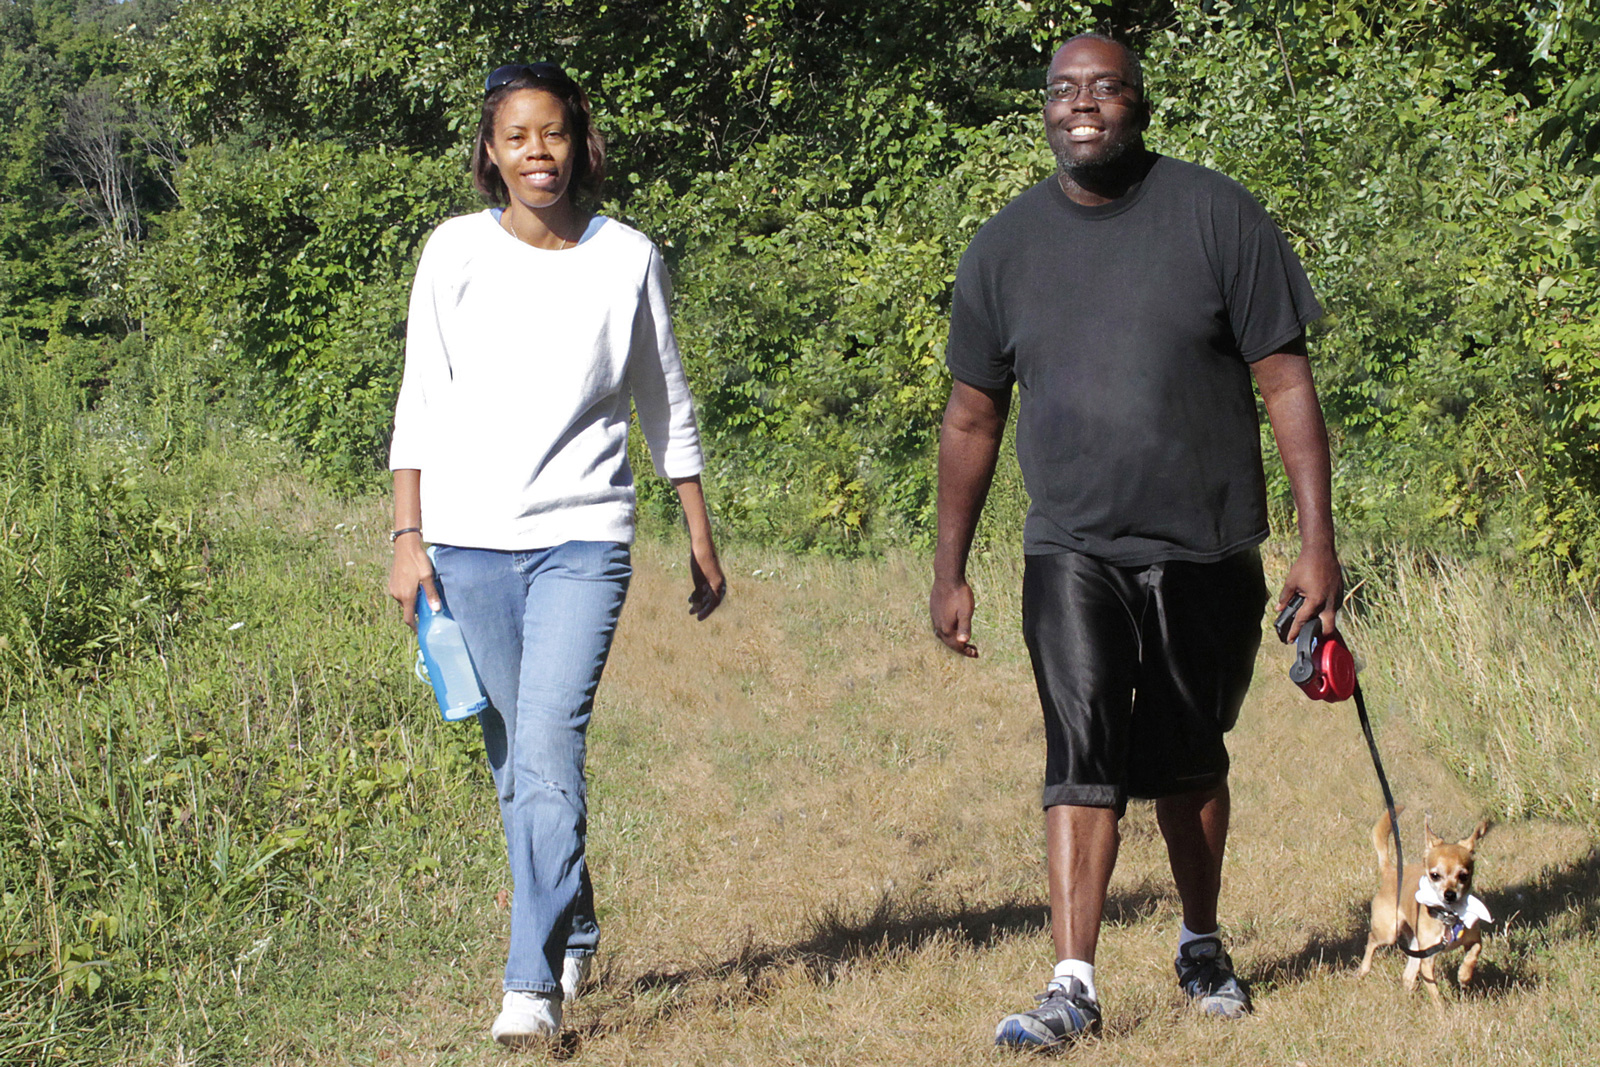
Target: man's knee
{"points": [[1194, 801]]}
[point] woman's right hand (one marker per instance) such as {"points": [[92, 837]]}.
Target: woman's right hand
{"points": [[410, 568]]}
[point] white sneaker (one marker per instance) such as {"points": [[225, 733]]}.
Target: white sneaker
{"points": [[526, 1017], [574, 974]]}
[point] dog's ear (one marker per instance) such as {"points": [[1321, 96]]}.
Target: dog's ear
{"points": [[1471, 843], [1434, 840]]}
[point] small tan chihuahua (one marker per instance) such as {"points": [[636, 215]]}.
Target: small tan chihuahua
{"points": [[1438, 907]]}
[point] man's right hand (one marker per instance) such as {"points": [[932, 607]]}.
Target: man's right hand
{"points": [[950, 606]]}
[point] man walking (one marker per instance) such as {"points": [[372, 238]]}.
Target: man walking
{"points": [[1132, 299]]}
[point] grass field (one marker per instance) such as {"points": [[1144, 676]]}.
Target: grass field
{"points": [[815, 835]]}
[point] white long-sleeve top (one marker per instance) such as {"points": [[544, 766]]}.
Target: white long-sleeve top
{"points": [[520, 365]]}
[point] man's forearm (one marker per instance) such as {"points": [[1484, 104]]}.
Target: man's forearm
{"points": [[1291, 399], [1303, 444], [966, 470], [1290, 396], [969, 448]]}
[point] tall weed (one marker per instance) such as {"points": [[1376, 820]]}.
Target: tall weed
{"points": [[268, 786], [98, 558], [1496, 664]]}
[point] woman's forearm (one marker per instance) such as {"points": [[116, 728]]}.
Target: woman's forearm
{"points": [[692, 498], [410, 566], [407, 499]]}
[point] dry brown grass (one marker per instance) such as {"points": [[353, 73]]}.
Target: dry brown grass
{"points": [[816, 840]]}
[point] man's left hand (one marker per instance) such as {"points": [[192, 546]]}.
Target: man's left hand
{"points": [[1315, 575]]}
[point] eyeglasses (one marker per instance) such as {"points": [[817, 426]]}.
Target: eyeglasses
{"points": [[545, 72], [1067, 92]]}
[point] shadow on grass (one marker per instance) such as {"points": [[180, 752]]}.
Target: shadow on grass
{"points": [[838, 940], [1325, 951], [1567, 897], [1569, 894], [1571, 890]]}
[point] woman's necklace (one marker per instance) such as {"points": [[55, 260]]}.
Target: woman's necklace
{"points": [[511, 224]]}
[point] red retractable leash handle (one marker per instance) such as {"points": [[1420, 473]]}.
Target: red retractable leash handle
{"points": [[1323, 666], [1324, 669]]}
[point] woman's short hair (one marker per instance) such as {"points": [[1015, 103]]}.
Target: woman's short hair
{"points": [[589, 155]]}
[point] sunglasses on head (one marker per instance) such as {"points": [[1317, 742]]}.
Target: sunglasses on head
{"points": [[545, 72]]}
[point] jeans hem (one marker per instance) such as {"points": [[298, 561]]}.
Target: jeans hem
{"points": [[537, 988]]}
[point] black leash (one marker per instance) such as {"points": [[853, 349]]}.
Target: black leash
{"points": [[1388, 797], [1394, 829], [1325, 670]]}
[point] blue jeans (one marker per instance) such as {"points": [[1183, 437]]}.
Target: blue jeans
{"points": [[539, 626]]}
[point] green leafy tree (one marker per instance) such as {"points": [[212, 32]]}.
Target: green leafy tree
{"points": [[83, 167], [813, 172]]}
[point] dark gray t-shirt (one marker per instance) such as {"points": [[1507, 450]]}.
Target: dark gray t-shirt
{"points": [[1130, 329]]}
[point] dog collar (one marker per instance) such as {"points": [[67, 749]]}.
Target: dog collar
{"points": [[1463, 914], [1451, 924]]}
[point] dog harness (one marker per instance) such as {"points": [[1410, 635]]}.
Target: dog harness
{"points": [[1456, 918]]}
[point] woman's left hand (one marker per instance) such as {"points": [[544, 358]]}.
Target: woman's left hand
{"points": [[709, 584]]}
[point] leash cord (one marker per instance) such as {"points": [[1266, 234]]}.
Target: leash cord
{"points": [[1394, 827]]}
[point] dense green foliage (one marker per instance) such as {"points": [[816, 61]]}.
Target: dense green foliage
{"points": [[85, 166], [96, 560], [813, 172]]}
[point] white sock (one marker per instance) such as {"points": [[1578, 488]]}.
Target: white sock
{"points": [[1186, 935], [1083, 972]]}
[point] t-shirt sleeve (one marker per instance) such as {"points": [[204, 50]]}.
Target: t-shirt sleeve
{"points": [[660, 389], [1271, 300], [975, 353], [425, 362]]}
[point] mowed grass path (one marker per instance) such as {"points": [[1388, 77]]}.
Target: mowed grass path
{"points": [[816, 840]]}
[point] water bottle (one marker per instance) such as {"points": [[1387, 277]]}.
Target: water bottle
{"points": [[443, 662]]}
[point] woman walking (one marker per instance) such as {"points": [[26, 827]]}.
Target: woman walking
{"points": [[532, 327]]}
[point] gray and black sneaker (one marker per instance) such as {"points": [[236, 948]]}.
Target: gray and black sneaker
{"points": [[1066, 1011], [1206, 973]]}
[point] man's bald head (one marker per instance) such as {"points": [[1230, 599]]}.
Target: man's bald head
{"points": [[1134, 66]]}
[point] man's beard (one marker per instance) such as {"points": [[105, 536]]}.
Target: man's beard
{"points": [[1094, 171]]}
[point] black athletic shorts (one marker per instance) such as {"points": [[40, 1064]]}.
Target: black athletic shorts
{"points": [[1141, 670]]}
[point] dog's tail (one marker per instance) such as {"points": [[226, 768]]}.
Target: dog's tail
{"points": [[1381, 835]]}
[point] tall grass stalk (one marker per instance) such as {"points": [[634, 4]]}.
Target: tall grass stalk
{"points": [[1498, 667]]}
